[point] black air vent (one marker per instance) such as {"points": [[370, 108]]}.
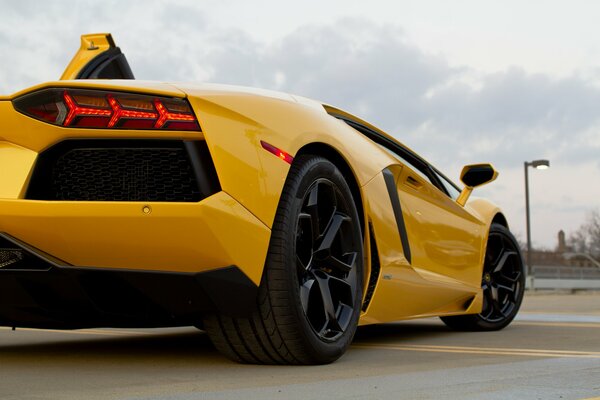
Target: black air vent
{"points": [[145, 174], [375, 269], [124, 170]]}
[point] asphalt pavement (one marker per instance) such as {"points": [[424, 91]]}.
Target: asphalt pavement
{"points": [[552, 351]]}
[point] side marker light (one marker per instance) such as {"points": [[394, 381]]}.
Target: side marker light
{"points": [[276, 151]]}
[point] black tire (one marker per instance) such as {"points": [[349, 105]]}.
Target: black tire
{"points": [[310, 295], [503, 284]]}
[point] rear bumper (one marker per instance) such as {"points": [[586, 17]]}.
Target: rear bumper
{"points": [[167, 237], [40, 291]]}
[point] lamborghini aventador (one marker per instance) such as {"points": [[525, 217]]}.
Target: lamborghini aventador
{"points": [[275, 223]]}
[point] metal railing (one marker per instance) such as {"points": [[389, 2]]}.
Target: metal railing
{"points": [[564, 277], [565, 272]]}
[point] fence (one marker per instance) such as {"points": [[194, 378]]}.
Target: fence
{"points": [[564, 277]]}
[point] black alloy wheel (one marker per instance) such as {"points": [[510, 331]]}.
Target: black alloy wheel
{"points": [[326, 255], [502, 283], [310, 295]]}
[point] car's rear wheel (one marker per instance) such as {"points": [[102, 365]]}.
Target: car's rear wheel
{"points": [[503, 284], [310, 294]]}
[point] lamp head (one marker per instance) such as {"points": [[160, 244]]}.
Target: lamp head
{"points": [[540, 164]]}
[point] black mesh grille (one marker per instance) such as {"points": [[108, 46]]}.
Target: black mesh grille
{"points": [[121, 171], [125, 175], [9, 257]]}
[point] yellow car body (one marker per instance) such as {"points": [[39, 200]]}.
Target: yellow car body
{"points": [[441, 277]]}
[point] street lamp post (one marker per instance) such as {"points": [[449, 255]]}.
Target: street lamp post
{"points": [[537, 164]]}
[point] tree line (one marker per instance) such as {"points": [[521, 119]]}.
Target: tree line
{"points": [[586, 239]]}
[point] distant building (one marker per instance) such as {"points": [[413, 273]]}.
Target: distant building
{"points": [[557, 257], [562, 243]]}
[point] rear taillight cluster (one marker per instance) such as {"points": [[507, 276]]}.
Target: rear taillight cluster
{"points": [[101, 109]]}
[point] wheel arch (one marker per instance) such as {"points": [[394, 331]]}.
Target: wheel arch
{"points": [[500, 219], [333, 155]]}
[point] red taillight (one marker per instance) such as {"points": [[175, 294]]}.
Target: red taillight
{"points": [[166, 116], [119, 113], [101, 109], [83, 113], [278, 152]]}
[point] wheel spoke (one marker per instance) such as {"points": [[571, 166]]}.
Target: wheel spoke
{"points": [[344, 314], [305, 292], [305, 222], [510, 279], [339, 283], [342, 266], [321, 204], [322, 281], [304, 241], [502, 312], [494, 293], [487, 294], [496, 262], [502, 261], [495, 299], [331, 232], [331, 306], [313, 211], [508, 289], [495, 249]]}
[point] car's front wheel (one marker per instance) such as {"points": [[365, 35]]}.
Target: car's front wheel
{"points": [[502, 282], [310, 294]]}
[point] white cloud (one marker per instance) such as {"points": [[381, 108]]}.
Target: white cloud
{"points": [[451, 113]]}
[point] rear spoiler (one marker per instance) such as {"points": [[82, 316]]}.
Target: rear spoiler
{"points": [[98, 58]]}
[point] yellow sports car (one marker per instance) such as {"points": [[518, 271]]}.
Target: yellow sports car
{"points": [[275, 223]]}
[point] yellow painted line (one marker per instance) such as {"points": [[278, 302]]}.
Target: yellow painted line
{"points": [[95, 332], [505, 349], [559, 324], [483, 350]]}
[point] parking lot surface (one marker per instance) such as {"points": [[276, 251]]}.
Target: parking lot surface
{"points": [[552, 351]]}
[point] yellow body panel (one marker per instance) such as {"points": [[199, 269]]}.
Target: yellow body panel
{"points": [[401, 290], [16, 163], [181, 237], [233, 226], [444, 237], [235, 122]]}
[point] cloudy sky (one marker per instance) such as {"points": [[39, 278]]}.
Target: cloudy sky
{"points": [[459, 82]]}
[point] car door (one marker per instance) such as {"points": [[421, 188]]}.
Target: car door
{"points": [[441, 242], [445, 239]]}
